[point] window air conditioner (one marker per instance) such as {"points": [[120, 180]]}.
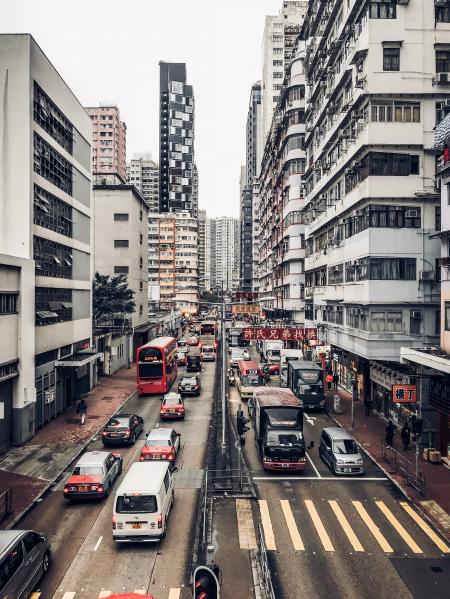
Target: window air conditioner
{"points": [[442, 78], [411, 214], [426, 275]]}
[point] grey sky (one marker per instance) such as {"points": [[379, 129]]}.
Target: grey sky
{"points": [[109, 50]]}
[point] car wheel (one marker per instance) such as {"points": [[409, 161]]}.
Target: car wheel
{"points": [[46, 562], [133, 439], [119, 472], [107, 491]]}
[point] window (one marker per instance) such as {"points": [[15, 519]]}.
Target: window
{"points": [[336, 274], [382, 111], [121, 216], [52, 305], [295, 117], [383, 9], [442, 61], [447, 315], [415, 322], [377, 322], [275, 98], [121, 243], [277, 86], [10, 564], [296, 93], [277, 37], [442, 13], [48, 116], [388, 269], [393, 165], [52, 259], [31, 540], [277, 75], [121, 270], [50, 165], [8, 303], [277, 63], [278, 51], [394, 322], [391, 59], [177, 87]]}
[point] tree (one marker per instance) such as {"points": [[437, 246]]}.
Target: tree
{"points": [[112, 299]]}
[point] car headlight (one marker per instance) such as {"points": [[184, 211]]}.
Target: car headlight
{"points": [[359, 461], [340, 462]]}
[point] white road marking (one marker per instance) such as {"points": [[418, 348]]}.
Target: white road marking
{"points": [[97, 544], [322, 478], [267, 525], [313, 465], [310, 419], [292, 526], [68, 595], [174, 594], [103, 594]]}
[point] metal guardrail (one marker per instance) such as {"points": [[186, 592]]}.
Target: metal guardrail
{"points": [[228, 481], [265, 573], [404, 467], [5, 503]]}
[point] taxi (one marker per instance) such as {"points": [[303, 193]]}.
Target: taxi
{"points": [[181, 358], [161, 444], [93, 475], [172, 406], [193, 341]]}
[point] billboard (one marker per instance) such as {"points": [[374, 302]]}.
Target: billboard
{"points": [[279, 334], [245, 309]]}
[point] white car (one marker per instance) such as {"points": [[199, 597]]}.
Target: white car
{"points": [[237, 355]]}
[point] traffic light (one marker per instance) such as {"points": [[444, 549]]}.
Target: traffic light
{"points": [[206, 582], [241, 422]]}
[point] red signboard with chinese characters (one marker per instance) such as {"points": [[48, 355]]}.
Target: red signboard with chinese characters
{"points": [[279, 334], [404, 393]]}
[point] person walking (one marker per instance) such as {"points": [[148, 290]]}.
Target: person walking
{"points": [[329, 380], [368, 405], [81, 410], [390, 432], [335, 380], [406, 436]]}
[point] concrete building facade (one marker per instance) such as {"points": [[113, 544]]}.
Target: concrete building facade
{"points": [[45, 242], [176, 140], [224, 237], [143, 173], [202, 250], [109, 142]]}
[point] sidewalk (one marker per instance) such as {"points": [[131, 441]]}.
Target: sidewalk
{"points": [[31, 469], [369, 431]]}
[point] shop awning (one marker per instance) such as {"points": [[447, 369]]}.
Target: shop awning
{"points": [[78, 360], [442, 132], [46, 314]]}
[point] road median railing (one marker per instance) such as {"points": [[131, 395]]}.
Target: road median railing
{"points": [[414, 477], [264, 575]]}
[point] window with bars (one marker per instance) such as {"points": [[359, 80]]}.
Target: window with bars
{"points": [[48, 116], [52, 305], [383, 9], [52, 213], [391, 59], [51, 165], [8, 303], [52, 259]]}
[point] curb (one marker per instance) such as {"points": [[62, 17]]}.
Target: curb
{"points": [[399, 487], [55, 478]]}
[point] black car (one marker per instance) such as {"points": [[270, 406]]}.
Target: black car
{"points": [[122, 429], [189, 385], [194, 364]]}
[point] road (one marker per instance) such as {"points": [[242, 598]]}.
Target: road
{"points": [[86, 562], [341, 537]]}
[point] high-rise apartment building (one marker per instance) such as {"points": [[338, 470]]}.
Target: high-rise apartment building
{"points": [[374, 93], [176, 140], [143, 173], [278, 198], [280, 32], [45, 242], [195, 190], [202, 250], [224, 236], [252, 164], [109, 142]]}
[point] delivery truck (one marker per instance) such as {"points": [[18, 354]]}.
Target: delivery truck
{"points": [[288, 355], [272, 351], [305, 380]]}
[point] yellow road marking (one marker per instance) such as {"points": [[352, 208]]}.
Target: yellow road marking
{"points": [[246, 527], [345, 525], [68, 595], [399, 527], [425, 527], [327, 545], [292, 526], [103, 594], [174, 593], [267, 525], [372, 527], [34, 595], [142, 592]]}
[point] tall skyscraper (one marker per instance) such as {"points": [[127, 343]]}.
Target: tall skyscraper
{"points": [[176, 139], [109, 141], [143, 173], [201, 250], [195, 190], [279, 36], [224, 235]]}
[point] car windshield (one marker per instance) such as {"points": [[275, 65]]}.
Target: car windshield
{"points": [[172, 401], [88, 471], [253, 381], [188, 381], [132, 504], [157, 443], [208, 350], [311, 389], [288, 438], [118, 422], [345, 446]]}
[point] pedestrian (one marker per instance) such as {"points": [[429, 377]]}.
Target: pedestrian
{"points": [[390, 432], [329, 380], [406, 436], [335, 380], [368, 405], [81, 410]]}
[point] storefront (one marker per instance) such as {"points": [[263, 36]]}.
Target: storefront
{"points": [[382, 379], [350, 367], [439, 398]]}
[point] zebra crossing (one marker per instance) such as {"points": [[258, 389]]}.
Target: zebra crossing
{"points": [[174, 593], [364, 526]]}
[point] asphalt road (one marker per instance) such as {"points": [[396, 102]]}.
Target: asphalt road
{"points": [[341, 537], [86, 562]]}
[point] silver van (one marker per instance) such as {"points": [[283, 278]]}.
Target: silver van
{"points": [[24, 559], [339, 450]]}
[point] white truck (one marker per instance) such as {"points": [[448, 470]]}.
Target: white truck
{"points": [[272, 351], [288, 355]]}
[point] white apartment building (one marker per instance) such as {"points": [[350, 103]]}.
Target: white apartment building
{"points": [[280, 197], [224, 245], [208, 254], [376, 78], [280, 32], [153, 258], [45, 242], [201, 250], [143, 173], [121, 245]]}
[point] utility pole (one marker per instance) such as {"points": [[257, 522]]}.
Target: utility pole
{"points": [[224, 403]]}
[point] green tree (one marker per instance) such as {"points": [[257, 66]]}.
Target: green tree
{"points": [[112, 299]]}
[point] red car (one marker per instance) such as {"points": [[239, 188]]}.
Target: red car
{"points": [[271, 369], [172, 406], [194, 340], [161, 444]]}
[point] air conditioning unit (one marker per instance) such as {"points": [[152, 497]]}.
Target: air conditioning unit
{"points": [[446, 104], [331, 107], [416, 314], [412, 214], [442, 78], [405, 2], [426, 275], [359, 212], [354, 311], [358, 114]]}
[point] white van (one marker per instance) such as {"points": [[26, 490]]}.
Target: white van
{"points": [[142, 503]]}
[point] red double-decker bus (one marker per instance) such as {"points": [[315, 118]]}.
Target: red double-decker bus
{"points": [[156, 365]]}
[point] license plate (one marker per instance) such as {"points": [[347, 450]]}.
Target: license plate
{"points": [[285, 465], [156, 457], [114, 434], [84, 488], [136, 525], [172, 411], [347, 469]]}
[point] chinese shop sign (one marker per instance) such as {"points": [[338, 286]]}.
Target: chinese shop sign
{"points": [[280, 334], [404, 393]]}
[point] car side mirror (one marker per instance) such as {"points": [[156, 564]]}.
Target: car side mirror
{"points": [[146, 434], [311, 445]]}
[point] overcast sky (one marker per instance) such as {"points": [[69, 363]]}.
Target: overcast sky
{"points": [[109, 50]]}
